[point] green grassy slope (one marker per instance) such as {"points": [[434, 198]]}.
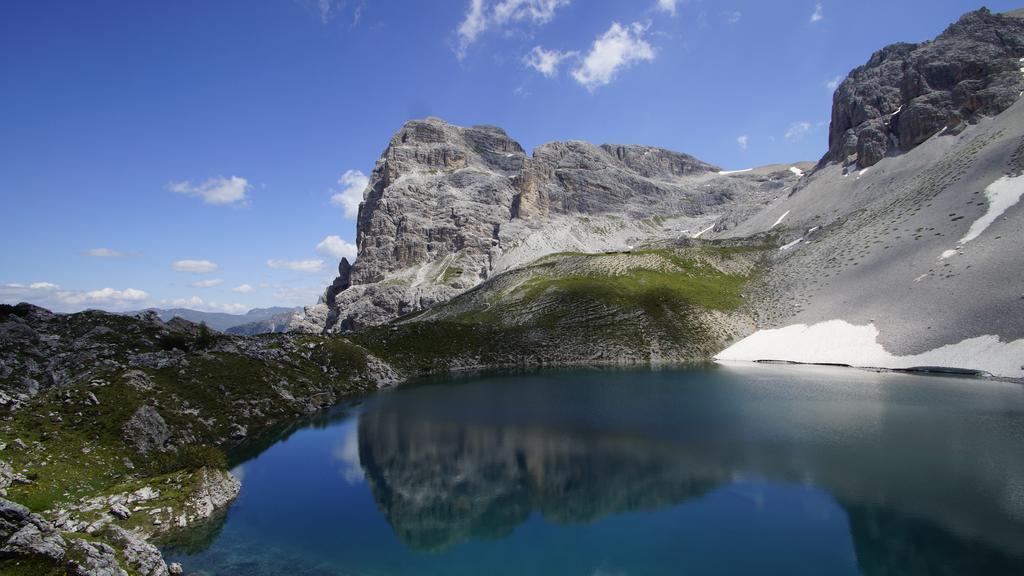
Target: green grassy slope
{"points": [[665, 303]]}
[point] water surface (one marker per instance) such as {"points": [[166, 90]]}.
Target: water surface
{"points": [[725, 470]]}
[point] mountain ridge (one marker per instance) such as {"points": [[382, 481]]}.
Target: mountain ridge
{"points": [[220, 321], [919, 135]]}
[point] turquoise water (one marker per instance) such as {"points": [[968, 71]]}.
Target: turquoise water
{"points": [[723, 470]]}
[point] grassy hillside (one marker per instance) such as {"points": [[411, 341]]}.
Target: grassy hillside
{"points": [[665, 303], [100, 405]]}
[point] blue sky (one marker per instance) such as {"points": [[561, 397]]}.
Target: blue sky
{"points": [[207, 153]]}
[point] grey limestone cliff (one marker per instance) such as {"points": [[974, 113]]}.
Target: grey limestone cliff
{"points": [[906, 93], [449, 207]]}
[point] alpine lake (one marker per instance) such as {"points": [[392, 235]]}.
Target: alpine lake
{"points": [[724, 469]]}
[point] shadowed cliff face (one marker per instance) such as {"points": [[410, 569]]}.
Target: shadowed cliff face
{"points": [[906, 93], [446, 469]]}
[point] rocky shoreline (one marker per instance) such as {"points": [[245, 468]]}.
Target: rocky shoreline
{"points": [[115, 428]]}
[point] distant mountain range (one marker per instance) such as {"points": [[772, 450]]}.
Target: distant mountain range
{"points": [[255, 321]]}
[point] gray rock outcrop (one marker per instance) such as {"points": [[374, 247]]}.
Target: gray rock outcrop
{"points": [[907, 93], [636, 181], [23, 533], [217, 488], [86, 558], [146, 430], [140, 555], [6, 477]]}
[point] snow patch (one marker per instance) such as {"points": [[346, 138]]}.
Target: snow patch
{"points": [[791, 244], [698, 234], [779, 221], [796, 171], [839, 342], [1002, 195], [727, 172], [921, 277], [812, 230], [863, 172]]}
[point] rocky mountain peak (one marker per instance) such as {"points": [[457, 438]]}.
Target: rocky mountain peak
{"points": [[447, 207], [433, 143], [652, 162], [907, 93]]}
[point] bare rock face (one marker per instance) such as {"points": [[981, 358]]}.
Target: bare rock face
{"points": [[448, 207], [92, 559], [438, 192], [907, 93], [146, 430], [23, 533], [140, 555], [437, 189], [579, 177], [216, 489]]}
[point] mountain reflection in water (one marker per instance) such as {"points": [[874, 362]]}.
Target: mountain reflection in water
{"points": [[728, 470]]}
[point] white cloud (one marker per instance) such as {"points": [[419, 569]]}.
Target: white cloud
{"points": [[347, 453], [103, 253], [242, 289], [325, 7], [336, 247], [480, 17], [50, 295], [293, 295], [797, 131], [218, 190], [742, 141], [299, 265], [668, 6], [207, 283], [194, 266], [535, 11], [472, 26], [818, 13], [617, 49], [733, 17], [546, 61], [107, 295], [197, 303], [193, 302], [329, 9], [833, 83], [349, 197]]}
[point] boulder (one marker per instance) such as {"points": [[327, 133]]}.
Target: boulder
{"points": [[12, 517], [120, 511], [35, 537]]}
